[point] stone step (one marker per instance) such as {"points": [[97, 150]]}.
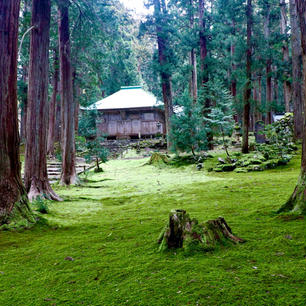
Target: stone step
{"points": [[54, 164]]}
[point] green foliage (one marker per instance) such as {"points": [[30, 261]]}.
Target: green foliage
{"points": [[41, 205], [88, 142], [281, 132], [188, 130], [220, 117], [95, 151]]}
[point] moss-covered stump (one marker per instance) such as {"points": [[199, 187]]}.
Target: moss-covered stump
{"points": [[187, 233], [157, 159]]}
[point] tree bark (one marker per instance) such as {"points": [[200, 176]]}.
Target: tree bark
{"points": [[13, 197], [163, 49], [285, 50], [297, 76], [53, 103], [248, 89], [35, 173], [297, 201], [68, 175]]}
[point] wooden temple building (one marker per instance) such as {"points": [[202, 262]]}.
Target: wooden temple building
{"points": [[130, 113]]}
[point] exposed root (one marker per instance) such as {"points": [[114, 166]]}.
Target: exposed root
{"points": [[14, 205], [67, 180], [297, 201], [43, 190]]}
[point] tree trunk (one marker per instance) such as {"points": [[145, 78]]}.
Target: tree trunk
{"points": [[24, 103], [182, 231], [285, 50], [13, 197], [193, 61], [35, 173], [297, 201], [76, 96], [53, 102], [203, 64], [268, 65], [233, 67], [162, 42], [248, 89], [24, 99], [68, 175], [58, 119], [297, 87]]}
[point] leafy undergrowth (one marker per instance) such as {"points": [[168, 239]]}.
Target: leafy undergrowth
{"points": [[100, 246]]}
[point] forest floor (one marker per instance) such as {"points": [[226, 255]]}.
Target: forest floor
{"points": [[99, 247]]}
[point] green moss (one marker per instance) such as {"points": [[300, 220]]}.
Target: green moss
{"points": [[109, 227]]}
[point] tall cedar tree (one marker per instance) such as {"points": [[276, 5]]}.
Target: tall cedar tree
{"points": [[297, 88], [248, 89], [297, 201], [68, 175], [35, 172], [12, 193], [160, 14]]}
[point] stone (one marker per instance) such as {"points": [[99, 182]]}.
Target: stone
{"points": [[260, 137]]}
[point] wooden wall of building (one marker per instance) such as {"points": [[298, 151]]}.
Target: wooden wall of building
{"points": [[131, 123]]}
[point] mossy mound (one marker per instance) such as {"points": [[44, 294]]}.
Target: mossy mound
{"points": [[266, 157]]}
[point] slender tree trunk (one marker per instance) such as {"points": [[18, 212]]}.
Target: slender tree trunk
{"points": [[162, 42], [194, 81], [76, 96], [203, 64], [258, 111], [53, 102], [248, 89], [233, 66], [297, 87], [24, 100], [203, 42], [35, 172], [285, 50], [68, 175], [58, 119], [268, 65], [193, 61], [13, 197], [297, 201]]}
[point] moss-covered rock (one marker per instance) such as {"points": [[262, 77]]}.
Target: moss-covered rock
{"points": [[241, 170]]}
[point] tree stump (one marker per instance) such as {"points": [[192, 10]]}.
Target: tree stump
{"points": [[182, 231], [158, 159]]}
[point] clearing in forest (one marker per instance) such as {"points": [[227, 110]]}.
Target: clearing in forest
{"points": [[100, 247]]}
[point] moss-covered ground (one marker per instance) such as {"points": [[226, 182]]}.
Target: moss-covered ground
{"points": [[100, 245]]}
